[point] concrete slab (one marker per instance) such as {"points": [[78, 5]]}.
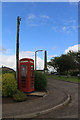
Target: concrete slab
{"points": [[38, 93]]}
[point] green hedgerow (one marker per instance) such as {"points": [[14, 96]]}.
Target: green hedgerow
{"points": [[9, 84], [40, 81], [19, 96]]}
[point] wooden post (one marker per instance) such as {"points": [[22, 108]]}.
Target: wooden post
{"points": [[45, 61], [17, 51]]}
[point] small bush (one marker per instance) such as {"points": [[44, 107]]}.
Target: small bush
{"points": [[6, 71], [74, 73], [40, 81], [19, 96], [9, 84]]}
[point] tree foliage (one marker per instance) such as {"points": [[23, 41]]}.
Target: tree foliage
{"points": [[66, 62], [76, 57]]}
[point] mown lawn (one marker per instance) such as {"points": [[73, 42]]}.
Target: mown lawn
{"points": [[72, 79]]}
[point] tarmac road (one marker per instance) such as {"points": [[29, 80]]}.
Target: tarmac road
{"points": [[72, 109], [58, 91], [26, 108]]}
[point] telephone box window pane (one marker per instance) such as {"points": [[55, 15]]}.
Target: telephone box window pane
{"points": [[23, 72], [32, 68]]}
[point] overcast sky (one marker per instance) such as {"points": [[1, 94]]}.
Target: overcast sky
{"points": [[44, 25]]}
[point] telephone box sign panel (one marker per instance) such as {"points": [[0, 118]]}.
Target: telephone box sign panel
{"points": [[26, 75], [23, 61], [31, 62]]}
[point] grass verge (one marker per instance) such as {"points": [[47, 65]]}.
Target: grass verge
{"points": [[65, 78]]}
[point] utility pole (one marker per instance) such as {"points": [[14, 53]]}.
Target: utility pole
{"points": [[45, 61], [17, 51]]}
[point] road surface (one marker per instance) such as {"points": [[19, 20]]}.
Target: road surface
{"points": [[72, 109]]}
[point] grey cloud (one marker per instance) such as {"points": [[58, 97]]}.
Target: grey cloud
{"points": [[2, 49]]}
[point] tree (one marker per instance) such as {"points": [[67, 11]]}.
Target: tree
{"points": [[76, 57], [63, 63]]}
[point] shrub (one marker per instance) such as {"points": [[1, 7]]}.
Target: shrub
{"points": [[9, 84], [19, 96], [6, 71], [40, 81], [74, 73]]}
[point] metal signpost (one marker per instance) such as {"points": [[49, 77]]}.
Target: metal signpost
{"points": [[36, 57]]}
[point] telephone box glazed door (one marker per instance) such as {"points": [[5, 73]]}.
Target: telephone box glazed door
{"points": [[23, 75]]}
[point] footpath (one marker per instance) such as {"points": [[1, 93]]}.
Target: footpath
{"points": [[54, 99]]}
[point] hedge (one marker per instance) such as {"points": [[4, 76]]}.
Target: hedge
{"points": [[40, 81]]}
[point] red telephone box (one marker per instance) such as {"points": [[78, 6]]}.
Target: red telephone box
{"points": [[26, 75]]}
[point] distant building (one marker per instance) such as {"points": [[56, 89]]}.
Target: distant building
{"points": [[2, 69]]}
